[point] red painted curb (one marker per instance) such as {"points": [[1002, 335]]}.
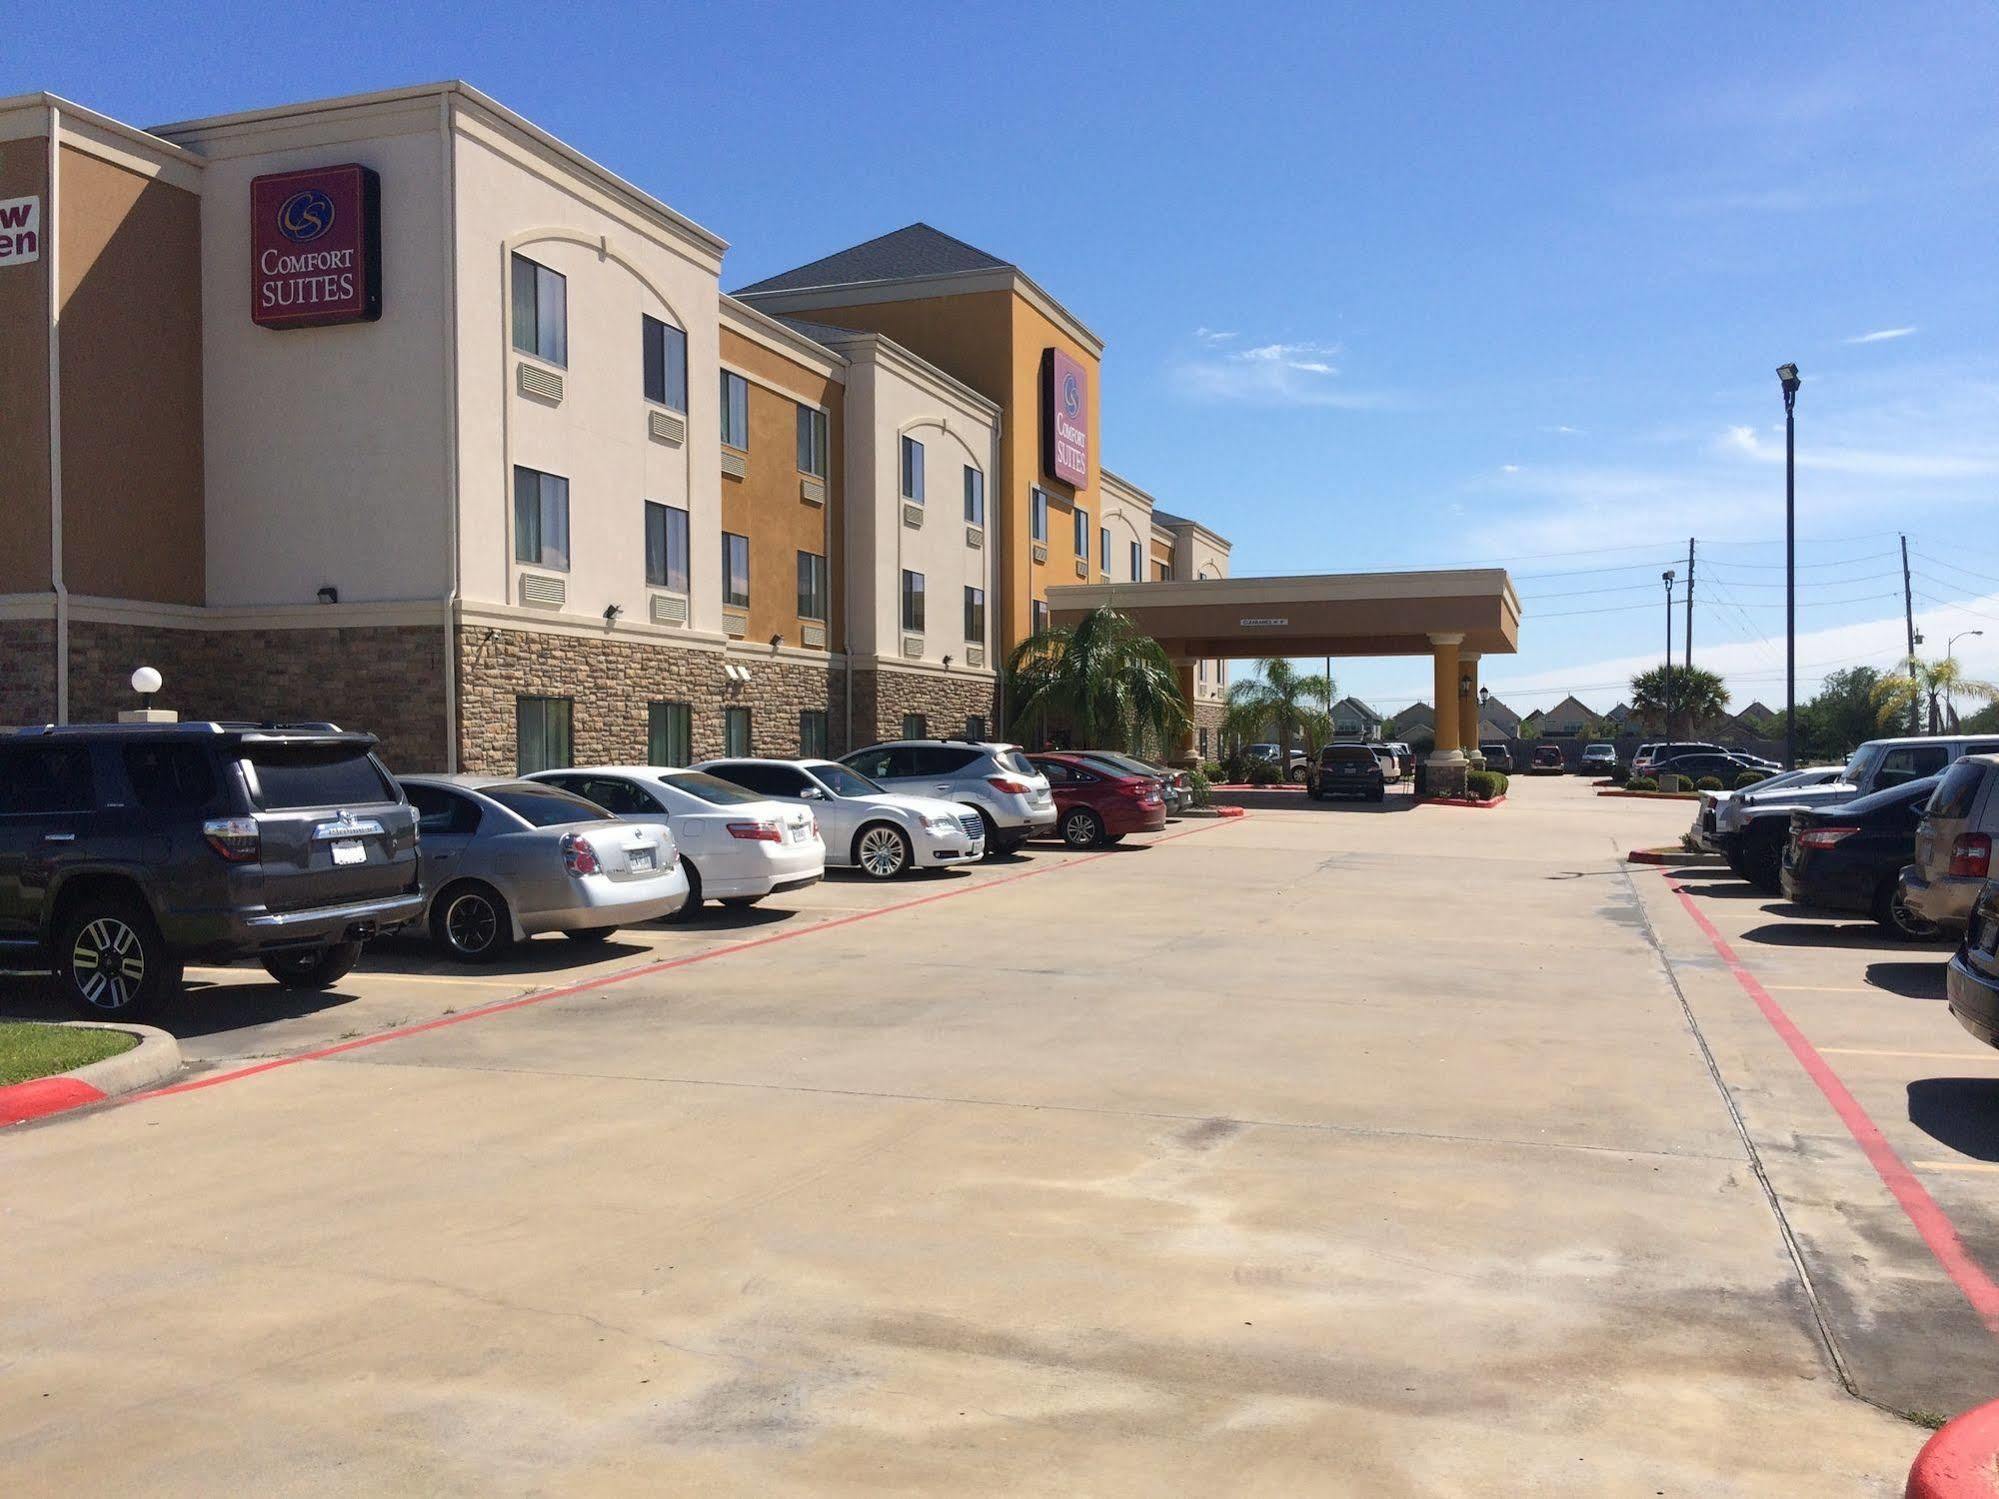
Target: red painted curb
{"points": [[1931, 1222], [1458, 801], [1248, 786], [1961, 1461], [42, 1096]]}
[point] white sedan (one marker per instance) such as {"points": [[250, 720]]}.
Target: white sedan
{"points": [[736, 846], [881, 833]]}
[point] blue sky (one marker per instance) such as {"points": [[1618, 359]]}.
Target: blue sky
{"points": [[1381, 287]]}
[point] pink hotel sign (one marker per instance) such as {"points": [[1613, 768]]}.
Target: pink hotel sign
{"points": [[1065, 418]]}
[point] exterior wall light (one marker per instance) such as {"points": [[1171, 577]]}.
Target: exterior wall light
{"points": [[329, 594], [146, 682], [611, 613]]}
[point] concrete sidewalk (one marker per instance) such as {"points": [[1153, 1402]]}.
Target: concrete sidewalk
{"points": [[1252, 1162]]}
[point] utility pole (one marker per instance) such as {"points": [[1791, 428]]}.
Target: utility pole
{"points": [[1909, 617], [1687, 676]]}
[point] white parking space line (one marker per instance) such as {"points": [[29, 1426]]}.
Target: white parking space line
{"points": [[1926, 1056], [525, 982], [1956, 1165]]}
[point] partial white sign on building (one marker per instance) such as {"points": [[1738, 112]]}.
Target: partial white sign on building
{"points": [[20, 231]]}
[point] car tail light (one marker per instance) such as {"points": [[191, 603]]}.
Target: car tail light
{"points": [[234, 838], [757, 832], [1971, 856], [578, 857], [1006, 786], [1824, 837]]}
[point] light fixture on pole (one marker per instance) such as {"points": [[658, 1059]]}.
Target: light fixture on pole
{"points": [[1666, 577], [1950, 646], [1787, 378]]}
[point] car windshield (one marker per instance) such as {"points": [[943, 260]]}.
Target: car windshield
{"points": [[289, 776], [545, 806], [841, 781], [709, 788]]}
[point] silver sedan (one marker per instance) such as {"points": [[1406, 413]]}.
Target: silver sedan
{"points": [[503, 859]]}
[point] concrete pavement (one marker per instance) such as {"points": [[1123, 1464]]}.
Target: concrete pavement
{"points": [[1325, 1151]]}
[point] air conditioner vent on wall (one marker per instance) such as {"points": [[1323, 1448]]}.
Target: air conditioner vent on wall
{"points": [[812, 491], [975, 536], [664, 426], [536, 381], [912, 645], [975, 655], [1082, 568], [669, 609], [736, 622], [543, 592], [912, 515], [1040, 551], [734, 465], [812, 635]]}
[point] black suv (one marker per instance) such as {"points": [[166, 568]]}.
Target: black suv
{"points": [[1347, 770], [128, 850]]}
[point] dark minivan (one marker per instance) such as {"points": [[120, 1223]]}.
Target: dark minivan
{"points": [[129, 850]]}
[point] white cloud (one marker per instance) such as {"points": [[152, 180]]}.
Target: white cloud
{"points": [[1509, 468], [1881, 335], [1276, 374], [1213, 336], [1863, 461]]}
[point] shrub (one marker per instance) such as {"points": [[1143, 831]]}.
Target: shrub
{"points": [[1214, 772], [1263, 773], [1641, 783], [1235, 767], [1671, 782], [1484, 785], [1708, 783], [1197, 787], [1749, 778]]}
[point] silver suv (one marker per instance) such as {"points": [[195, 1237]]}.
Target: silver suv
{"points": [[995, 781]]}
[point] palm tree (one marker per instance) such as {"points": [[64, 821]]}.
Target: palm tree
{"points": [[1283, 701], [1698, 697], [1107, 680], [1932, 684]]}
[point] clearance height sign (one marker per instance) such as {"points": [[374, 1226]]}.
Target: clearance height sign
{"points": [[1065, 418], [316, 247]]}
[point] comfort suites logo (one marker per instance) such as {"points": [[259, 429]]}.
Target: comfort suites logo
{"points": [[1072, 395], [316, 247]]}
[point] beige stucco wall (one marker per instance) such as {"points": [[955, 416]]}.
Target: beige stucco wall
{"points": [[1128, 513], [326, 460]]}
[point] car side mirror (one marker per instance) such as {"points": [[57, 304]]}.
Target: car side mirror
{"points": [[812, 794]]}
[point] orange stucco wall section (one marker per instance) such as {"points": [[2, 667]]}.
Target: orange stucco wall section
{"points": [[24, 384]]}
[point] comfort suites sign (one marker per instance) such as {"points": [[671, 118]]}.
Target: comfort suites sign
{"points": [[1065, 418], [316, 247]]}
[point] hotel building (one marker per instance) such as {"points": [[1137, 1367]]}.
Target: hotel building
{"points": [[396, 410]]}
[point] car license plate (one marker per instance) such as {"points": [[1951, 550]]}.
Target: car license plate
{"points": [[350, 851], [642, 859]]}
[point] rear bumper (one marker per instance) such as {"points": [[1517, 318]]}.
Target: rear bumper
{"points": [[1825, 886], [1974, 999], [223, 934], [597, 902], [1947, 902], [788, 869], [1121, 820]]}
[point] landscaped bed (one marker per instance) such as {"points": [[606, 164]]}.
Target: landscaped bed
{"points": [[30, 1050]]}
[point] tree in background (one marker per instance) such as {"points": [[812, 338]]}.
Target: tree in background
{"points": [[1698, 698], [1935, 685], [1844, 714], [1281, 701], [1104, 678]]}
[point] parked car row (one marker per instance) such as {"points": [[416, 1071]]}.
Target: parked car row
{"points": [[1903, 832], [1696, 760], [129, 851]]}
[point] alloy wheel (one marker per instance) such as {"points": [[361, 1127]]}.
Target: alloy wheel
{"points": [[1079, 829], [108, 963], [471, 923], [881, 853], [1907, 924]]}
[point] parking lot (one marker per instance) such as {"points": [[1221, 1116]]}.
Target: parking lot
{"points": [[1319, 1151]]}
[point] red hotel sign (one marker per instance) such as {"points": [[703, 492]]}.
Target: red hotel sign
{"points": [[316, 247], [1065, 418]]}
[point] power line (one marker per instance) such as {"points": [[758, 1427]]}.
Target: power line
{"points": [[1954, 567]]}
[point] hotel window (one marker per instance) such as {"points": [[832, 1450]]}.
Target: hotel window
{"points": [[1104, 549], [912, 470], [975, 614], [1204, 744], [735, 571], [812, 441], [1137, 564], [541, 734], [735, 411], [735, 732], [541, 518], [1166, 572], [1082, 534], [1041, 516], [812, 735], [1039, 615], [975, 726], [541, 311], [811, 586], [912, 602], [669, 733], [975, 497], [915, 726], [666, 547], [665, 363]]}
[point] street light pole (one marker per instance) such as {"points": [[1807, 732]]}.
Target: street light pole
{"points": [[1787, 378], [1666, 577], [1950, 654]]}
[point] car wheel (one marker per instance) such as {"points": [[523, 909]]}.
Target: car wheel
{"points": [[591, 936], [470, 922], [691, 907], [1298, 775], [1732, 857], [995, 845], [740, 902], [316, 968], [1893, 912], [1082, 828], [111, 961], [881, 851]]}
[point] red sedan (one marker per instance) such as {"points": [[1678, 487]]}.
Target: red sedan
{"points": [[1094, 806]]}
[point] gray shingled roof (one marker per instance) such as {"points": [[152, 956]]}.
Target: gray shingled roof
{"points": [[903, 255], [820, 333], [1168, 518]]}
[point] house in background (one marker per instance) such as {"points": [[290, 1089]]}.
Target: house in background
{"points": [[1496, 720], [1353, 719], [1412, 719], [1568, 719]]}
